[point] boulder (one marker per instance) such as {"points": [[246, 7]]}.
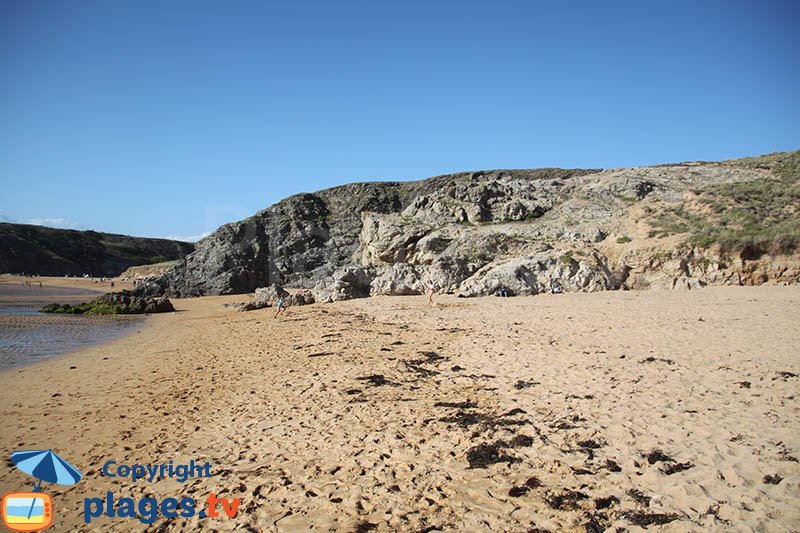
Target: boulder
{"points": [[535, 274], [397, 280], [345, 284], [268, 296]]}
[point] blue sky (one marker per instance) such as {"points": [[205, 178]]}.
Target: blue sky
{"points": [[171, 118]]}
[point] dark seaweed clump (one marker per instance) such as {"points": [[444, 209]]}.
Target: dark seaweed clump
{"points": [[652, 359], [416, 365], [364, 527], [656, 456], [596, 522], [589, 443], [376, 380], [466, 417], [483, 455], [639, 497], [521, 441], [644, 519], [457, 405], [604, 503], [677, 467], [565, 501], [519, 490]]}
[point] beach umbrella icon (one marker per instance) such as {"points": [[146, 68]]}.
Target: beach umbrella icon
{"points": [[45, 465]]}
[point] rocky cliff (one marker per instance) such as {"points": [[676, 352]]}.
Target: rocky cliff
{"points": [[669, 226]]}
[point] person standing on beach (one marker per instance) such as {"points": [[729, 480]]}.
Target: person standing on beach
{"points": [[281, 305], [431, 290]]}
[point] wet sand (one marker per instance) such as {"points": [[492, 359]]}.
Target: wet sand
{"points": [[568, 412], [15, 293], [27, 336]]}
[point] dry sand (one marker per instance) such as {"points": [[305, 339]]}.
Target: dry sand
{"points": [[366, 414]]}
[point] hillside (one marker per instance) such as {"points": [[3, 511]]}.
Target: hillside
{"points": [[47, 251], [678, 225]]}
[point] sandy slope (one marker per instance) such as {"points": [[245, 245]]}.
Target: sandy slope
{"points": [[578, 387]]}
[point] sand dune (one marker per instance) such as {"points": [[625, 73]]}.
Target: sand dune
{"points": [[557, 412]]}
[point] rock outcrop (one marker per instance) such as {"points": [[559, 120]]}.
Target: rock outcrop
{"points": [[115, 303], [543, 272], [268, 296], [529, 231]]}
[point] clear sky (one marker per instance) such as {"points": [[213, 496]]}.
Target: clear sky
{"points": [[171, 118]]}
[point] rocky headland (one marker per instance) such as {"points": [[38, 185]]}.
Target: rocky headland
{"points": [[677, 226], [42, 251]]}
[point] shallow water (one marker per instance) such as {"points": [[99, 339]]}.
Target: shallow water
{"points": [[27, 336], [4, 311]]}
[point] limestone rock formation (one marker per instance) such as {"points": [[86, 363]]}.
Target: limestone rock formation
{"points": [[345, 284], [542, 272]]}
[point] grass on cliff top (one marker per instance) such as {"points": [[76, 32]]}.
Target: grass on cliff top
{"points": [[786, 165], [762, 215]]}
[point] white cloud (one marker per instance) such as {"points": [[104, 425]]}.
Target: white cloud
{"points": [[188, 238], [4, 218], [56, 222]]}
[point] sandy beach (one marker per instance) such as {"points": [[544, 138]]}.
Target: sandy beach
{"points": [[569, 412]]}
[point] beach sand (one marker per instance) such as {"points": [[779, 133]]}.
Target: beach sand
{"points": [[601, 411]]}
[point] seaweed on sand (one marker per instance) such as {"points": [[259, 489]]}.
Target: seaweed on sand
{"points": [[644, 519], [677, 467], [416, 365], [457, 405], [639, 497], [655, 456], [566, 500], [483, 455], [519, 490], [376, 380]]}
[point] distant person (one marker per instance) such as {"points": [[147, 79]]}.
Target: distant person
{"points": [[431, 290], [40, 284], [281, 306], [112, 284]]}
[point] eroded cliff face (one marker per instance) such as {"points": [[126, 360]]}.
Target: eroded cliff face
{"points": [[528, 231]]}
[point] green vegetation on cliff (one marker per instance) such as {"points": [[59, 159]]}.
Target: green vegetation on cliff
{"points": [[758, 216]]}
